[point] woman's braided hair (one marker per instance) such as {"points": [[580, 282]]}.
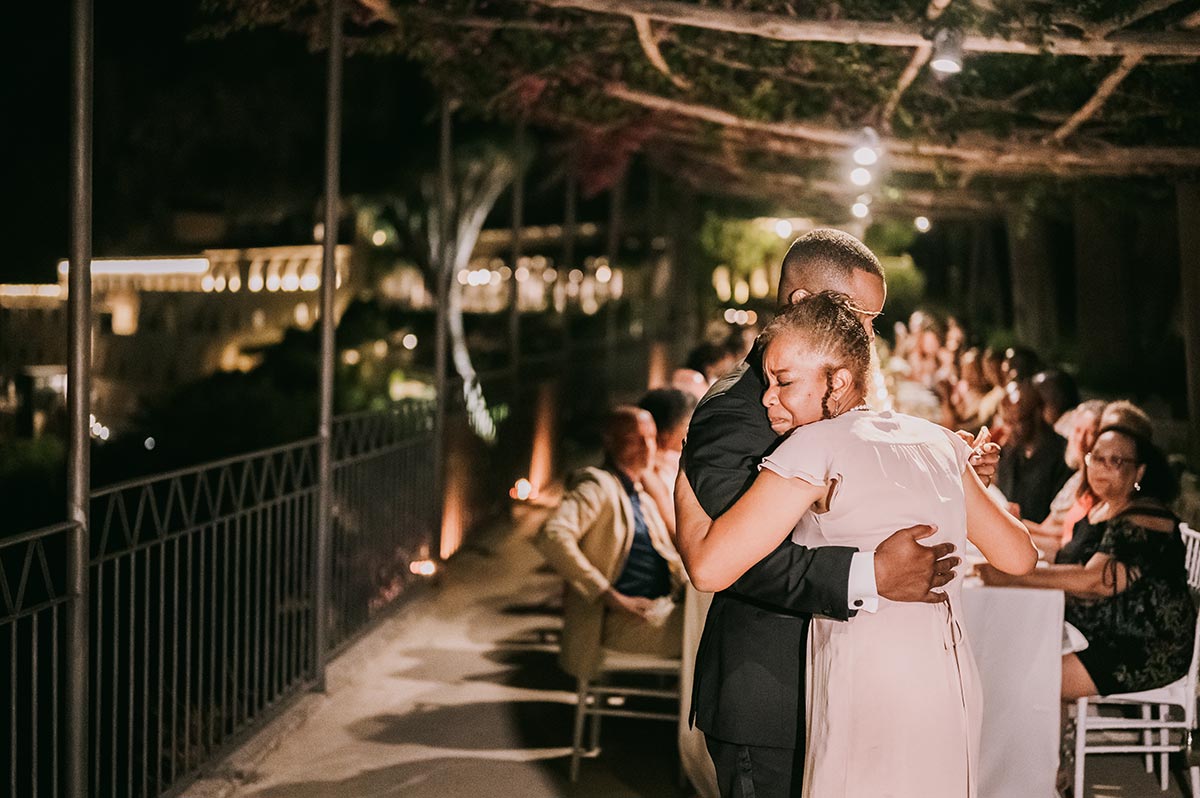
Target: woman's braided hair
{"points": [[828, 325]]}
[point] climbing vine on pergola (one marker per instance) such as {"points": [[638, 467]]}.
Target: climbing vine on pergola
{"points": [[769, 96]]}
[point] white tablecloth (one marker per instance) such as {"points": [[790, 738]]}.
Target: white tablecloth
{"points": [[1016, 635], [693, 754]]}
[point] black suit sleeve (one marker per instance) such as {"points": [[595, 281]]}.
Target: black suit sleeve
{"points": [[727, 438]]}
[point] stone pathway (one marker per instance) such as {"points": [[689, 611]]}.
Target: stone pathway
{"points": [[459, 694]]}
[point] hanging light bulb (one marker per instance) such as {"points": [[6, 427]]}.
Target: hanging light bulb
{"points": [[867, 151], [860, 176], [860, 210], [947, 52], [922, 224]]}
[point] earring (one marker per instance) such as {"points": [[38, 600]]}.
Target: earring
{"points": [[1137, 486]]}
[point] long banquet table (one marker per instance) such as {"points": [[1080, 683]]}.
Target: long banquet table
{"points": [[1016, 636]]}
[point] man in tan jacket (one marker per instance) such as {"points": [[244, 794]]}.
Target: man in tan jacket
{"points": [[608, 541]]}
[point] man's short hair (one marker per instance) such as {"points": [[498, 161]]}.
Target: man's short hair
{"points": [[825, 259], [668, 406]]}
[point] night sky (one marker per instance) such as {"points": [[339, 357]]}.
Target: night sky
{"points": [[233, 126]]}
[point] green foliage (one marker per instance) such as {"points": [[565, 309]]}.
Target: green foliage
{"points": [[741, 244]]}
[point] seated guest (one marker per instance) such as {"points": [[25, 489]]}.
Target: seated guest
{"points": [[1075, 498], [690, 382], [962, 401], [608, 541], [671, 410], [711, 360], [1059, 394], [993, 374], [1020, 364], [1033, 464], [1085, 535], [1130, 598]]}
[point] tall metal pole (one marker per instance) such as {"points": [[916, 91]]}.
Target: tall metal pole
{"points": [[612, 249], [514, 290], [445, 257], [324, 536], [79, 386]]}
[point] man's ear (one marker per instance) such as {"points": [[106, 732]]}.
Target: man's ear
{"points": [[797, 295]]}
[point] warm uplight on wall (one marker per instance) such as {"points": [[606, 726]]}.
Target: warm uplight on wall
{"points": [[522, 490], [423, 567]]}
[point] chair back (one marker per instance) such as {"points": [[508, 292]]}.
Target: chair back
{"points": [[1191, 543]]}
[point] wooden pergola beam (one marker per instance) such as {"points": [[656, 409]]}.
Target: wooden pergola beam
{"points": [[1097, 100], [885, 34], [983, 154]]}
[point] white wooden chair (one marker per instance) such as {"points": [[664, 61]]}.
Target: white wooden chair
{"points": [[1180, 694], [602, 696]]}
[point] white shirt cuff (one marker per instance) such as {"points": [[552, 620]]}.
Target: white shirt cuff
{"points": [[861, 591]]}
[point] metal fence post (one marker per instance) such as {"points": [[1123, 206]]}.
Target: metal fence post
{"points": [[445, 258], [79, 360], [514, 288], [324, 536]]}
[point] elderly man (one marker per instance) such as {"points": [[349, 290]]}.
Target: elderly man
{"points": [[608, 541]]}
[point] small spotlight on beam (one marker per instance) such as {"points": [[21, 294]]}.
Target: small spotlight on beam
{"points": [[947, 52]]}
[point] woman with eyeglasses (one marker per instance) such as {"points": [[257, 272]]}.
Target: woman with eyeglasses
{"points": [[1129, 597]]}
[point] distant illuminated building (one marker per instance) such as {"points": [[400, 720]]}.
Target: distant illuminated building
{"points": [[158, 323]]}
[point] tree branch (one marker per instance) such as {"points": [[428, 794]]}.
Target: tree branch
{"points": [[920, 57], [653, 54], [1124, 21], [1103, 92], [886, 34]]}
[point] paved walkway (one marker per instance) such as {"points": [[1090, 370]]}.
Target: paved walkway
{"points": [[459, 695]]}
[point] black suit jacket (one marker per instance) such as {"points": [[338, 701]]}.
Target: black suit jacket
{"points": [[749, 675]]}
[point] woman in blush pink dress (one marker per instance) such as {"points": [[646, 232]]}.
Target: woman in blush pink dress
{"points": [[893, 697]]}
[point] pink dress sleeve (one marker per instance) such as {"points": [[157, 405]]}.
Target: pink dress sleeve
{"points": [[962, 450], [805, 454]]}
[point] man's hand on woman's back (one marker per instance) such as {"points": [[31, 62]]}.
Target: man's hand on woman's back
{"points": [[906, 570]]}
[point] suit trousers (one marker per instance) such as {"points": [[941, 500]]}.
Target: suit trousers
{"points": [[756, 771]]}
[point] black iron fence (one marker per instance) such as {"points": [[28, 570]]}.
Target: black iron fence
{"points": [[201, 607], [202, 602]]}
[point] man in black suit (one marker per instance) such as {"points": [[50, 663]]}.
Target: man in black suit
{"points": [[750, 664]]}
